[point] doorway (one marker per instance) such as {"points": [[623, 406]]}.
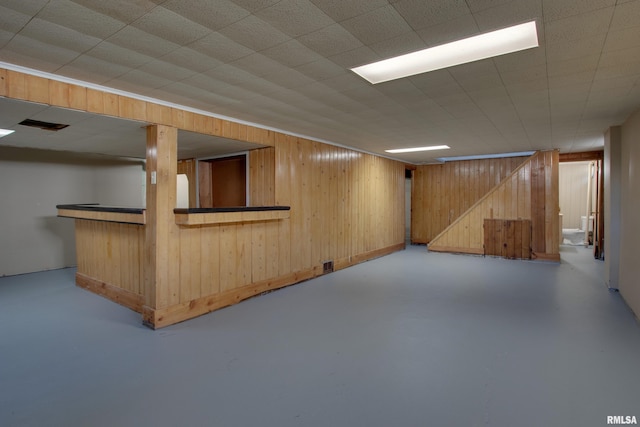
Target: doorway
{"points": [[581, 204], [222, 182]]}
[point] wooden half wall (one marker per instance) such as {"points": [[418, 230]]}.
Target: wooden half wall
{"points": [[529, 193]]}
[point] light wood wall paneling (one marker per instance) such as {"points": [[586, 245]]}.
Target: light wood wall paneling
{"points": [[535, 181], [357, 214], [441, 193], [262, 173]]}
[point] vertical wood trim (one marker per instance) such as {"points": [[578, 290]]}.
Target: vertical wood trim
{"points": [[161, 234]]}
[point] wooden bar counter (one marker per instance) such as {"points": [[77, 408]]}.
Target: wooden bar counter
{"points": [[220, 256]]}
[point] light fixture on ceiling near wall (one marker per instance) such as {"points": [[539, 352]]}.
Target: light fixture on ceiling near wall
{"points": [[414, 149], [486, 156], [487, 45], [5, 132]]}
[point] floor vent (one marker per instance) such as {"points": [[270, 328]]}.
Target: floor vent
{"points": [[327, 267]]}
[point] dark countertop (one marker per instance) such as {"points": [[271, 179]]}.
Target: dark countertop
{"points": [[232, 209], [95, 207]]}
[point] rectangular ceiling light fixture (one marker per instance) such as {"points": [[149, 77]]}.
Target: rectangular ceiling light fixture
{"points": [[482, 46], [5, 132], [414, 149], [486, 156]]}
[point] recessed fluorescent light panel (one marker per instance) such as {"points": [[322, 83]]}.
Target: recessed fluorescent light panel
{"points": [[487, 45], [486, 156], [5, 132], [414, 149]]}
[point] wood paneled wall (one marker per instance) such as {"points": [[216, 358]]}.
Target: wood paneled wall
{"points": [[262, 174], [113, 252], [441, 193], [346, 207], [344, 204], [530, 192]]}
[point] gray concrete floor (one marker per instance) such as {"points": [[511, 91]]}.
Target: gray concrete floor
{"points": [[411, 339]]}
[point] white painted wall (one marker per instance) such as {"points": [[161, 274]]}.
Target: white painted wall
{"points": [[573, 185], [629, 283], [33, 182]]}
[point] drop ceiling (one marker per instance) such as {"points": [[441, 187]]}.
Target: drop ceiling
{"points": [[286, 65]]}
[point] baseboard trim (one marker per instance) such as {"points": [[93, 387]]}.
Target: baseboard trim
{"points": [[107, 290], [160, 318]]}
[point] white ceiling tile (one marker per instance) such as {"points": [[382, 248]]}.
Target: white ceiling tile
{"points": [[254, 33], [144, 43], [288, 78], [578, 27], [122, 10], [330, 40], [560, 82], [620, 69], [142, 79], [292, 53], [255, 5], [322, 69], [353, 58], [522, 76], [166, 70], [12, 20], [554, 9], [341, 10], [81, 19], [508, 14], [258, 65], [220, 48], [114, 54], [622, 39], [421, 14], [170, 26], [380, 24], [478, 5], [626, 15], [571, 66], [56, 35], [577, 48], [36, 54], [404, 43], [212, 15], [455, 29], [295, 17], [93, 70], [190, 59]]}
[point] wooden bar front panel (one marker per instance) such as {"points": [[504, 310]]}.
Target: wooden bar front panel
{"points": [[110, 258]]}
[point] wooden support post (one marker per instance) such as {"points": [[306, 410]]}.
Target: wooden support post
{"points": [[161, 231]]}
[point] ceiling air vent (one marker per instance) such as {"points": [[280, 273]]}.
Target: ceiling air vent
{"points": [[43, 125]]}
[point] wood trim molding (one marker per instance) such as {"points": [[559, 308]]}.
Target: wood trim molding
{"points": [[126, 218], [111, 292], [159, 318], [470, 251], [196, 219]]}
